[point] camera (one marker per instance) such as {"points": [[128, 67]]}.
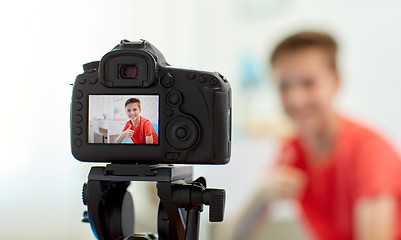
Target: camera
{"points": [[136, 112], [133, 107]]}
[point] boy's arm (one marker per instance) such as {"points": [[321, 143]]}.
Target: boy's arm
{"points": [[285, 182], [148, 129], [377, 189], [255, 211], [375, 217], [149, 139], [120, 137]]}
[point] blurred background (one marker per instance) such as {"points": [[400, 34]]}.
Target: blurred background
{"points": [[45, 43]]}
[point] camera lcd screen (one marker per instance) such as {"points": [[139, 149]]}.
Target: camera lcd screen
{"points": [[123, 119]]}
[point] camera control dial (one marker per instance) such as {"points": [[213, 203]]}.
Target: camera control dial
{"points": [[182, 132]]}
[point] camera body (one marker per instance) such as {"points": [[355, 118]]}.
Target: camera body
{"points": [[187, 112]]}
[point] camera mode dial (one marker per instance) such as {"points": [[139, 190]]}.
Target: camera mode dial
{"points": [[91, 67]]}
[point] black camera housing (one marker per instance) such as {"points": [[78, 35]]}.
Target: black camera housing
{"points": [[197, 101]]}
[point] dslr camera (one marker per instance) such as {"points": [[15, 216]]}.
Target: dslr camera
{"points": [[133, 107], [139, 114]]}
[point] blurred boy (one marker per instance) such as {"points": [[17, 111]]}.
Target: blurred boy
{"points": [[345, 176]]}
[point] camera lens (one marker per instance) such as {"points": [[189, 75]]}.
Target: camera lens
{"points": [[128, 71]]}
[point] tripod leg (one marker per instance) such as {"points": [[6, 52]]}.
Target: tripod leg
{"points": [[163, 228], [176, 225], [192, 231]]}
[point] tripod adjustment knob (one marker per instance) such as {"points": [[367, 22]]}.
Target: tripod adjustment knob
{"points": [[216, 199], [85, 194], [85, 217]]}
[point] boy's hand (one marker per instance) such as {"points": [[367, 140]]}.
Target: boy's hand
{"points": [[286, 182], [129, 133]]}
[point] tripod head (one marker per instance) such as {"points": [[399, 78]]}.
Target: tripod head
{"points": [[110, 206]]}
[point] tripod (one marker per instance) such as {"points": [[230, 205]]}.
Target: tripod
{"points": [[110, 206]]}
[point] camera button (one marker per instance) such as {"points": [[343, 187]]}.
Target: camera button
{"points": [[82, 80], [78, 106], [169, 112], [181, 132], [93, 80], [203, 78], [213, 82], [78, 130], [167, 80], [172, 156], [174, 98], [78, 142], [78, 94], [191, 76], [78, 118]]}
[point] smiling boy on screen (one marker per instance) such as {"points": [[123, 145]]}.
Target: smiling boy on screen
{"points": [[138, 128]]}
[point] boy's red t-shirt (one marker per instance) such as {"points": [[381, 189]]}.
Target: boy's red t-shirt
{"points": [[361, 164], [145, 128]]}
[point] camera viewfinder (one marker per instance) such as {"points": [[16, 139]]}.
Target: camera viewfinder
{"points": [[128, 71]]}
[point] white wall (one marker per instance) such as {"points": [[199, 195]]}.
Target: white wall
{"points": [[44, 44]]}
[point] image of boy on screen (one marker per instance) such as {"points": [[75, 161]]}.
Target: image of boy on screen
{"points": [[138, 128]]}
